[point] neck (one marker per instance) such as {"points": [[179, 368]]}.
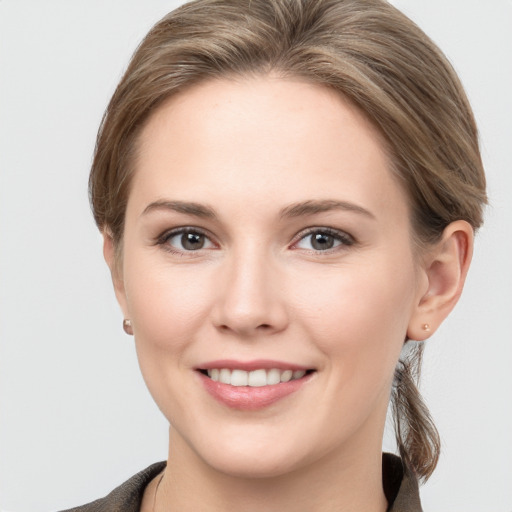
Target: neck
{"points": [[349, 482]]}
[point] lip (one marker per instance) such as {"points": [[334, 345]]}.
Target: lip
{"points": [[248, 366], [247, 398]]}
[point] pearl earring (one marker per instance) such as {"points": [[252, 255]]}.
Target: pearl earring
{"points": [[127, 326], [426, 327]]}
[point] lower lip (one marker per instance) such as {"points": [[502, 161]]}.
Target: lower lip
{"points": [[249, 398]]}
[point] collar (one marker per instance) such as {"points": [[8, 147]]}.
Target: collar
{"points": [[400, 487]]}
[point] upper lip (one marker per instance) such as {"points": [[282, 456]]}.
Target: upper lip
{"points": [[248, 366]]}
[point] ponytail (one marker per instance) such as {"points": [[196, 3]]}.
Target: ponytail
{"points": [[416, 435]]}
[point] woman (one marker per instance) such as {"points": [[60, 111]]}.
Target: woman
{"points": [[288, 193], [286, 197]]}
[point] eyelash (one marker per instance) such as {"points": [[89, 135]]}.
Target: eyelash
{"points": [[167, 235], [344, 238]]}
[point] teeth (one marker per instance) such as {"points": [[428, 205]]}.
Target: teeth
{"points": [[256, 378], [286, 376], [239, 378], [225, 376], [273, 376]]}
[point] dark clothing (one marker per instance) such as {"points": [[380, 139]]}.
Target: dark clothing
{"points": [[400, 487]]}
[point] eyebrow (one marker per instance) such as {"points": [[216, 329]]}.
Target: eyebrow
{"points": [[301, 209], [312, 207], [189, 208]]}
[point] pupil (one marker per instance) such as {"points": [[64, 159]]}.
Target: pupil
{"points": [[322, 242], [192, 241]]}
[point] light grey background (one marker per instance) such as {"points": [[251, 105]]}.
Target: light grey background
{"points": [[75, 417]]}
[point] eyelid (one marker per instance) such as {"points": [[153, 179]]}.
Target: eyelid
{"points": [[168, 233], [343, 236], [165, 236]]}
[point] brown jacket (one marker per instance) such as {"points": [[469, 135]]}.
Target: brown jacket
{"points": [[400, 487]]}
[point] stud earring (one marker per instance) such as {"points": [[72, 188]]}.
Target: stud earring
{"points": [[426, 327], [127, 326]]}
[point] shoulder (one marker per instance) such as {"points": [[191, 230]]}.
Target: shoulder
{"points": [[125, 498]]}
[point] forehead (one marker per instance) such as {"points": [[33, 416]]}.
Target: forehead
{"points": [[266, 140]]}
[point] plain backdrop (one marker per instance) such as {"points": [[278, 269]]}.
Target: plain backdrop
{"points": [[75, 417]]}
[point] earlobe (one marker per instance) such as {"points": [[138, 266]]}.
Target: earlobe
{"points": [[445, 267], [112, 260]]}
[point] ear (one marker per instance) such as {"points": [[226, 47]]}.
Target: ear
{"points": [[116, 272], [445, 268]]}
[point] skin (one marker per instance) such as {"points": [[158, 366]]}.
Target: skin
{"points": [[249, 150]]}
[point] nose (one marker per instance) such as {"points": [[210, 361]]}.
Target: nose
{"points": [[251, 299]]}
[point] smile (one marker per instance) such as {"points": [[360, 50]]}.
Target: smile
{"points": [[256, 378], [254, 385]]}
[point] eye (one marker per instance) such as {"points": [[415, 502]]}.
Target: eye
{"points": [[323, 240], [186, 240]]}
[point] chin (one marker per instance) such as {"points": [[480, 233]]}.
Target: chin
{"points": [[250, 459], [252, 467]]}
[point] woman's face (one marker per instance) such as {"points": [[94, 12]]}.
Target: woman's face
{"points": [[267, 239]]}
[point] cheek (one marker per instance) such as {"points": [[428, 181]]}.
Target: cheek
{"points": [[358, 315], [167, 305], [358, 319], [167, 308]]}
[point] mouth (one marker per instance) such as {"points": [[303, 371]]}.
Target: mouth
{"points": [[250, 386], [259, 377]]}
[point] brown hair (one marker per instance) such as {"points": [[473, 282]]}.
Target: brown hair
{"points": [[366, 50]]}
